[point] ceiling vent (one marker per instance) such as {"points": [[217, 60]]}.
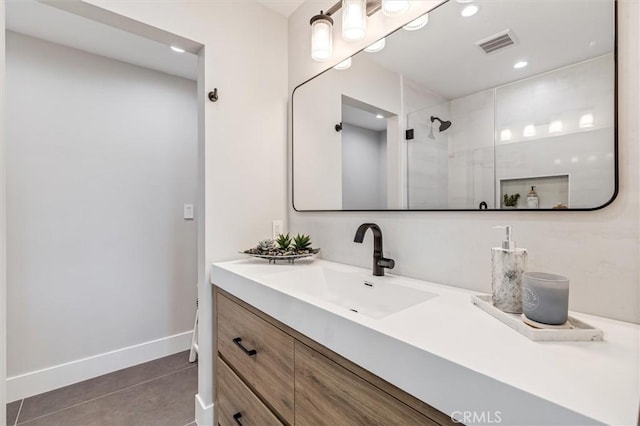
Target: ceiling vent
{"points": [[497, 41]]}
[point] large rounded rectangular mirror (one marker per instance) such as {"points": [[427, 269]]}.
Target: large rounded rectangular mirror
{"points": [[512, 107]]}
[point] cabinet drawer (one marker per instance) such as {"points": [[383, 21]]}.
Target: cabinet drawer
{"points": [[236, 404], [329, 394], [263, 356]]}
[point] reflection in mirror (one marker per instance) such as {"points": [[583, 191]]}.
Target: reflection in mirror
{"points": [[512, 103], [364, 156]]}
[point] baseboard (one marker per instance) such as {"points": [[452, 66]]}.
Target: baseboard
{"points": [[36, 382], [204, 413]]}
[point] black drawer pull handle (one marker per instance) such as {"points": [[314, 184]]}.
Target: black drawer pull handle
{"points": [[236, 417], [251, 352]]}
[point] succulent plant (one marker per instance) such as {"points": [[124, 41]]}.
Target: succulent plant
{"points": [[511, 200], [302, 242], [266, 245], [284, 241]]}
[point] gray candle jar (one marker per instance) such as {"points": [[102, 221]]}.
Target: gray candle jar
{"points": [[545, 297]]}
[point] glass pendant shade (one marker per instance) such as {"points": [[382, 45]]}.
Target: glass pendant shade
{"points": [[321, 37], [394, 7], [354, 19]]}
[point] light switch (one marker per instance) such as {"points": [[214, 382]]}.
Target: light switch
{"points": [[276, 229], [188, 211]]}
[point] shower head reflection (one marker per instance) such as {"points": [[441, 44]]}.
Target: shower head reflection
{"points": [[444, 125]]}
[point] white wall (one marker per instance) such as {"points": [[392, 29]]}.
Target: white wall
{"points": [[364, 171], [242, 149], [586, 157], [598, 250], [318, 156], [3, 269], [428, 159], [471, 151], [585, 154], [101, 157]]}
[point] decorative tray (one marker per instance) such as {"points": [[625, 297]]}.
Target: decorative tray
{"points": [[577, 331], [273, 258]]}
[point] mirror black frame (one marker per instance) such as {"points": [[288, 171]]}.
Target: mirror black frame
{"points": [[616, 177]]}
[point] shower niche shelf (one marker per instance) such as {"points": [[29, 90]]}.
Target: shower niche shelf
{"points": [[552, 190]]}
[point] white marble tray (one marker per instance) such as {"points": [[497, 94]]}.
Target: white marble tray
{"points": [[581, 331]]}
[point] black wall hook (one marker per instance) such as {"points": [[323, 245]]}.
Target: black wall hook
{"points": [[213, 96], [338, 127]]}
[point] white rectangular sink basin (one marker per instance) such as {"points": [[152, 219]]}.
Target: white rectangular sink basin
{"points": [[374, 297]]}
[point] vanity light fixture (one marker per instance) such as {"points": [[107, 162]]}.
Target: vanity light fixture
{"points": [[529, 131], [418, 23], [321, 37], [394, 7], [177, 49], [470, 10], [354, 22], [344, 65], [376, 47], [555, 126], [354, 19], [586, 121], [520, 64]]}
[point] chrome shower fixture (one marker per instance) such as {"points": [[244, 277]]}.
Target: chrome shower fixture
{"points": [[444, 125]]}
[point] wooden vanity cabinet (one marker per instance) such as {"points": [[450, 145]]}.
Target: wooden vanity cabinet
{"points": [[237, 404], [259, 352], [293, 380]]}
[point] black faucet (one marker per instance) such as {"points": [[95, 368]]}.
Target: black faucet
{"points": [[379, 261]]}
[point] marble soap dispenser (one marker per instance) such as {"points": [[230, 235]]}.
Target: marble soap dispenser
{"points": [[508, 263]]}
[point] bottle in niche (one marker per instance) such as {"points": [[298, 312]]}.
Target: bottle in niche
{"points": [[508, 263], [533, 201]]}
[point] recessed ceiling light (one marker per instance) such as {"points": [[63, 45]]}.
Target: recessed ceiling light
{"points": [[586, 121], [529, 131], [177, 49], [418, 23], [555, 126], [379, 116], [520, 64], [470, 10], [376, 47], [505, 135], [343, 65]]}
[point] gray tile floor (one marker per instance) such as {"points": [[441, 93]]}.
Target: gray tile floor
{"points": [[156, 393]]}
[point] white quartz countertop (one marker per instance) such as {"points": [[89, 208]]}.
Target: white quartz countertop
{"points": [[457, 358]]}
